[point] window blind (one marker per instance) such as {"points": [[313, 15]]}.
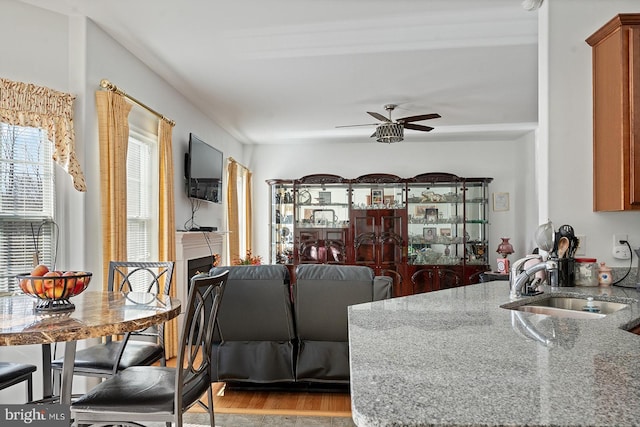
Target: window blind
{"points": [[142, 197], [27, 202]]}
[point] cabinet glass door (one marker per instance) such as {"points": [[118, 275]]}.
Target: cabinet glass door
{"points": [[476, 222], [436, 232], [282, 225], [322, 219]]}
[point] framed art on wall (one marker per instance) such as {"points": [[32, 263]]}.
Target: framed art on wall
{"points": [[500, 202]]}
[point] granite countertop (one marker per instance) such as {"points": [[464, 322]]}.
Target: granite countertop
{"points": [[456, 358]]}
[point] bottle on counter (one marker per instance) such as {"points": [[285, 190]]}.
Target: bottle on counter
{"points": [[605, 277]]}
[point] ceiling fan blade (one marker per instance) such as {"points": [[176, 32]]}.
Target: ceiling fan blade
{"points": [[417, 127], [378, 116], [418, 118], [372, 135], [350, 126]]}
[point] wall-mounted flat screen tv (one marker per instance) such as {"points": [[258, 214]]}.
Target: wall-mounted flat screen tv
{"points": [[203, 170]]}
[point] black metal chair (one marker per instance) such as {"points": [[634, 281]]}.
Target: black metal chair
{"points": [[15, 373], [160, 393], [134, 348]]}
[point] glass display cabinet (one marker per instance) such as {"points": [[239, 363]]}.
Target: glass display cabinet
{"points": [[321, 217], [281, 221], [428, 232], [447, 231]]}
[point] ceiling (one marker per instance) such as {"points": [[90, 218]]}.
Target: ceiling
{"points": [[290, 71]]}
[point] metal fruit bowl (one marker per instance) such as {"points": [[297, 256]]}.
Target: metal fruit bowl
{"points": [[54, 289]]}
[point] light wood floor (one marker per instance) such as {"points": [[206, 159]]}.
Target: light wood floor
{"points": [[303, 403], [281, 402]]}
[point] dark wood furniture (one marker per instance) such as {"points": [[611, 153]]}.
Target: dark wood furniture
{"points": [[427, 232]]}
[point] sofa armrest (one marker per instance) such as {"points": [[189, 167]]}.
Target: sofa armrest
{"points": [[382, 287]]}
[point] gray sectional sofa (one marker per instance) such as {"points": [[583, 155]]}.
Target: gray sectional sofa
{"points": [[272, 331]]}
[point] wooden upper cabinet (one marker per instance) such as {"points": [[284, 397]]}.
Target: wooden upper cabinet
{"points": [[616, 114]]}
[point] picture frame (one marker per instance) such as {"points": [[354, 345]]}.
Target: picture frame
{"points": [[324, 217], [431, 214], [377, 196], [429, 234], [500, 202], [420, 211], [324, 197], [445, 232]]}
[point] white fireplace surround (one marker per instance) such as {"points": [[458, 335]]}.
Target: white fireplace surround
{"points": [[192, 245]]}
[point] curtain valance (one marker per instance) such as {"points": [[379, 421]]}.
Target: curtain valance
{"points": [[25, 104]]}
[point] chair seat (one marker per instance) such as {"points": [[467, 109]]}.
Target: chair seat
{"points": [[10, 371], [140, 389], [100, 358]]}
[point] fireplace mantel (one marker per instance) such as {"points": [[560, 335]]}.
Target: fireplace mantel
{"points": [[193, 245]]}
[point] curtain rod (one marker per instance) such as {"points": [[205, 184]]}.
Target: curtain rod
{"points": [[231, 159], [106, 84]]}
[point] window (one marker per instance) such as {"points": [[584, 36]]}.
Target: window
{"points": [[142, 196], [28, 232]]}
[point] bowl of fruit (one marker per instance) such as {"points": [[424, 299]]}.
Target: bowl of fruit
{"points": [[53, 288]]}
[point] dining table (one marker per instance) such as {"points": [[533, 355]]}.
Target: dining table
{"points": [[94, 314]]}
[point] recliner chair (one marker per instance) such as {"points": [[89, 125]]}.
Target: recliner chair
{"points": [[254, 341], [322, 294]]}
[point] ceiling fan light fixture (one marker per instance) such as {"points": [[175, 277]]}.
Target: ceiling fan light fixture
{"points": [[389, 132]]}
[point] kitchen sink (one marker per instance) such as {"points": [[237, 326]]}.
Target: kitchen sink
{"points": [[560, 312], [567, 307]]}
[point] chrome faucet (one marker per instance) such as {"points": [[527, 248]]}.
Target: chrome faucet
{"points": [[523, 281]]}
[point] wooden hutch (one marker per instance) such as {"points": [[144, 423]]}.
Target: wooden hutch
{"points": [[428, 232]]}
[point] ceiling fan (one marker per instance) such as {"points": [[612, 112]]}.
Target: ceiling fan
{"points": [[393, 130]]}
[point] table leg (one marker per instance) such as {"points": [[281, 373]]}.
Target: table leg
{"points": [[47, 388], [67, 372]]}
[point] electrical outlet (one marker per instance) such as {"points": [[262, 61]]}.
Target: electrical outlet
{"points": [[581, 250], [618, 237], [621, 250]]}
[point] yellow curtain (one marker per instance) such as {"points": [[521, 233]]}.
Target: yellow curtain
{"points": [[113, 133], [249, 213], [25, 104], [167, 236], [233, 216], [239, 210]]}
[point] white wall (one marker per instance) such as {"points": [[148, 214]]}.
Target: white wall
{"points": [[569, 120]]}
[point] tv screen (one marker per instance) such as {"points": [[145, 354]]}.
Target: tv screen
{"points": [[203, 170]]}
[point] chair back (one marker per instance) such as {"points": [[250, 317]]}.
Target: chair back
{"points": [[154, 277], [193, 362]]}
